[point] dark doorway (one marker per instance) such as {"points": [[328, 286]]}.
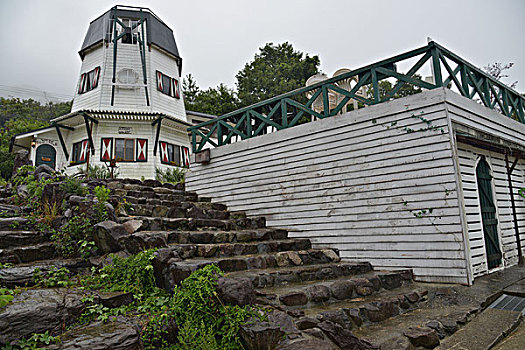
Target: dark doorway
{"points": [[488, 214], [46, 154]]}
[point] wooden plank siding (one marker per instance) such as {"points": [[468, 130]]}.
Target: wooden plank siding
{"points": [[467, 114], [362, 182]]}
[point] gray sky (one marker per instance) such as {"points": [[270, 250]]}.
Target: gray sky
{"points": [[40, 39]]}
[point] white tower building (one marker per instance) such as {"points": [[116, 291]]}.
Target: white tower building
{"points": [[128, 106]]}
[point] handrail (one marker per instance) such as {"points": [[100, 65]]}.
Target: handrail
{"points": [[283, 111]]}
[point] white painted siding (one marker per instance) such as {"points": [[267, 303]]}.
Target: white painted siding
{"points": [[466, 113], [130, 98], [359, 182], [140, 129]]}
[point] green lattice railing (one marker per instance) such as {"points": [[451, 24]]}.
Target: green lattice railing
{"points": [[289, 109]]}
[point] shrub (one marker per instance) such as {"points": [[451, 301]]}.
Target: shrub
{"points": [[72, 185], [173, 175], [96, 172]]}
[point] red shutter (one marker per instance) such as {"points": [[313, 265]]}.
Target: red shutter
{"points": [[83, 151], [159, 81], [176, 88], [106, 149], [81, 84], [94, 84], [142, 150], [185, 156], [164, 152]]}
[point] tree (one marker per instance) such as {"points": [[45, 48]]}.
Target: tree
{"points": [[496, 70], [190, 90], [217, 101], [276, 69], [386, 86], [18, 116]]}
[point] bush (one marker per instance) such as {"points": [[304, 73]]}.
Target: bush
{"points": [[205, 323], [173, 175], [73, 186], [96, 172]]}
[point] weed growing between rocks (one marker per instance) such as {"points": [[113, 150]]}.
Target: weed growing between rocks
{"points": [[173, 175], [193, 317]]}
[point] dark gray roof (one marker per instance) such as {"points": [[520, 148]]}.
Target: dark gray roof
{"points": [[157, 32]]}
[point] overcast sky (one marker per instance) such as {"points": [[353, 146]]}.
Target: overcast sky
{"points": [[39, 40]]}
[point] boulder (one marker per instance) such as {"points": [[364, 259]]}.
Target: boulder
{"points": [[294, 299], [163, 259], [261, 335], [318, 293], [38, 311], [307, 344], [422, 336], [118, 334], [237, 291], [343, 338], [107, 236], [342, 289], [21, 159], [43, 169]]}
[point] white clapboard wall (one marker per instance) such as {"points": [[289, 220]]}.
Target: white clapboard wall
{"points": [[379, 184], [465, 113]]}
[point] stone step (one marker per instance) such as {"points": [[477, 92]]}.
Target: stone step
{"points": [[138, 193], [192, 224], [359, 312], [438, 317], [208, 237], [10, 239], [9, 210], [496, 325], [29, 253], [311, 293], [22, 275], [143, 240], [270, 277], [179, 210], [15, 223], [184, 268]]}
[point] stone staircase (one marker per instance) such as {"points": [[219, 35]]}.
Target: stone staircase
{"points": [[316, 301]]}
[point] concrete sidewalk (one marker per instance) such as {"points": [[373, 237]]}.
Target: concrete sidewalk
{"points": [[492, 328]]}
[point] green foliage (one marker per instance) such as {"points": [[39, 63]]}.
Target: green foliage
{"points": [[133, 274], [35, 342], [216, 101], [6, 296], [171, 175], [96, 172], [276, 69], [18, 116], [204, 321], [52, 278], [73, 185], [102, 194], [73, 238], [521, 192], [385, 87]]}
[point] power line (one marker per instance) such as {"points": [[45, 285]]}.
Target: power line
{"points": [[45, 94]]}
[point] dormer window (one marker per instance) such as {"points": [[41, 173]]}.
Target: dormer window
{"points": [[167, 85], [88, 81], [130, 36]]}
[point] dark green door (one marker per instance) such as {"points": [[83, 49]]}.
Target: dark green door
{"points": [[488, 214], [46, 154]]}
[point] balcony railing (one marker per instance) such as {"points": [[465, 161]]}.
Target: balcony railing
{"points": [[316, 102]]}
